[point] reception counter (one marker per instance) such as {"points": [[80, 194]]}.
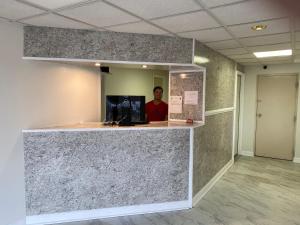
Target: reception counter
{"points": [[89, 170]]}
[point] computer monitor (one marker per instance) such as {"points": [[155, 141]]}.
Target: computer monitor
{"points": [[125, 110]]}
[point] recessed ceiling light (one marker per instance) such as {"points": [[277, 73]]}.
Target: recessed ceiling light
{"points": [[259, 27], [287, 52], [144, 66], [97, 64]]}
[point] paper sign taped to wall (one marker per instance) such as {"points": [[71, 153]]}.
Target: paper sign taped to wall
{"points": [[191, 97], [175, 105]]}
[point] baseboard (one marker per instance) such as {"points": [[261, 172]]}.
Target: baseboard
{"points": [[211, 183], [105, 213], [246, 153], [296, 160]]}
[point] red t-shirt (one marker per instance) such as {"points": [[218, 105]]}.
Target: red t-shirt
{"points": [[156, 112]]}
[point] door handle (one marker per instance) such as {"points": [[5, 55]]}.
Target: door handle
{"points": [[259, 115]]}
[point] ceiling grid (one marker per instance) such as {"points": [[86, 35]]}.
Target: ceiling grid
{"points": [[223, 25]]}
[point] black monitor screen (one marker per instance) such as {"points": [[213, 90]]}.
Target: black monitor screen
{"points": [[126, 109]]}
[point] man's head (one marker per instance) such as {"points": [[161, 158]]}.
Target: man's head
{"points": [[157, 92]]}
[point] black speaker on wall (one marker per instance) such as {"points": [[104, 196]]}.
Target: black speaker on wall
{"points": [[104, 69]]}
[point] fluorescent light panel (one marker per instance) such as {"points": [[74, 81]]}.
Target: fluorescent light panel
{"points": [[201, 60], [287, 52]]}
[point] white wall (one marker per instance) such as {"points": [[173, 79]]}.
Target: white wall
{"points": [[249, 120], [35, 94]]}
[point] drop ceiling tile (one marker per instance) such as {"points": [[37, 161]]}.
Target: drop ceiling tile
{"points": [[297, 58], [139, 27], [297, 45], [54, 4], [2, 19], [276, 60], [246, 60], [209, 35], [213, 3], [243, 56], [224, 44], [233, 51], [14, 10], [51, 20], [249, 11], [265, 40], [297, 36], [273, 27], [187, 22], [296, 52], [250, 64], [270, 47], [99, 14], [157, 8], [297, 24]]}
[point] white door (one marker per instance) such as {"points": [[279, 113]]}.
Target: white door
{"points": [[237, 113], [276, 110]]}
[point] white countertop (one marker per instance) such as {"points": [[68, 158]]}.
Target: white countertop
{"points": [[94, 126]]}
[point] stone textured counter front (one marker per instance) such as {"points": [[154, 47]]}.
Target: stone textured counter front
{"points": [[83, 170]]}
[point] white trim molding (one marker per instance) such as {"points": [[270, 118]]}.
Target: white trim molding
{"points": [[234, 117], [296, 160], [246, 153], [105, 213], [191, 168], [241, 114], [211, 183], [186, 70], [218, 111], [196, 66], [193, 51], [204, 95]]}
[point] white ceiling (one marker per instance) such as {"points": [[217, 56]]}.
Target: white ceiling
{"points": [[224, 25]]}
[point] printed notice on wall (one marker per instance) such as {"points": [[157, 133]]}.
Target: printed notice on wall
{"points": [[191, 97], [175, 104]]}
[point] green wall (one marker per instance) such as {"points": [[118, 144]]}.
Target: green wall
{"points": [[124, 81]]}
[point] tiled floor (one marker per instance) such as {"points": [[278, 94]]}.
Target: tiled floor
{"points": [[255, 191]]}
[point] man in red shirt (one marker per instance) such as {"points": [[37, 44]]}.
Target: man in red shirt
{"points": [[157, 110]]}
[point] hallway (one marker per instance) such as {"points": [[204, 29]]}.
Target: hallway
{"points": [[255, 191]]}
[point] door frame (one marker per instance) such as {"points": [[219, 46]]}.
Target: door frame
{"points": [[296, 103], [241, 115]]}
